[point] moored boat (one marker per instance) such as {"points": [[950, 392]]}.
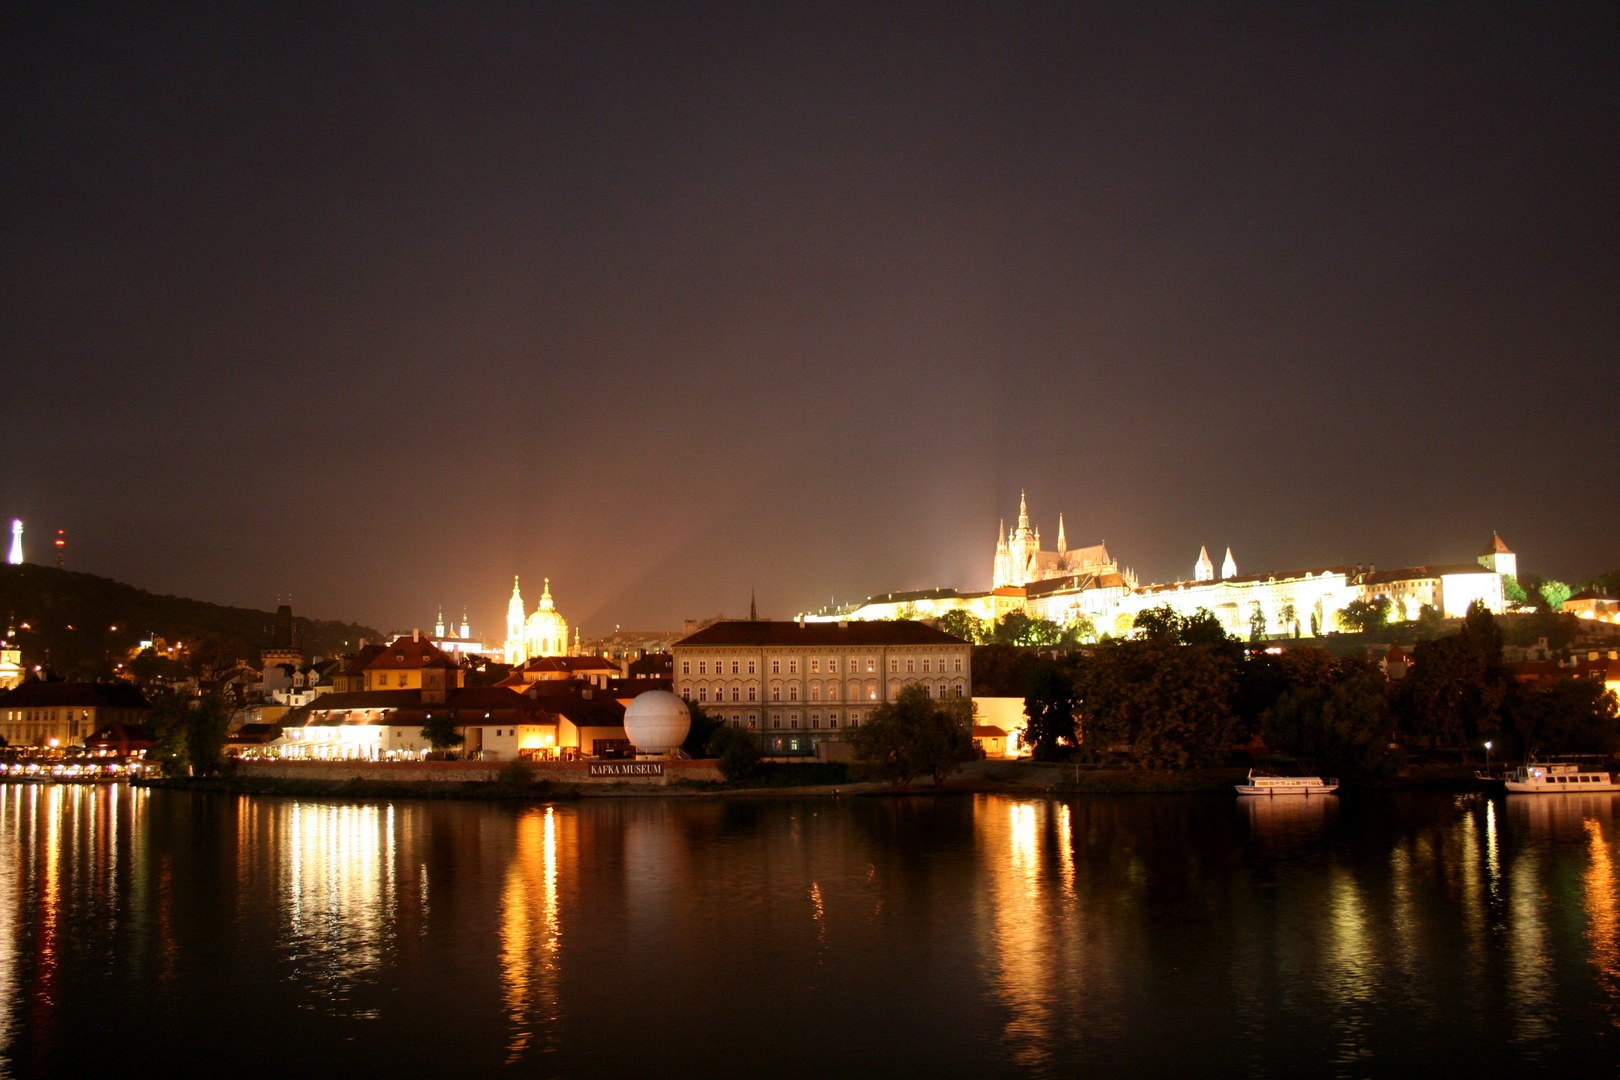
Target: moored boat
{"points": [[1534, 779], [1286, 785]]}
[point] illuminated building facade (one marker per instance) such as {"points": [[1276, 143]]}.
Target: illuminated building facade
{"points": [[414, 663], [61, 714], [1067, 586], [798, 682], [544, 633], [1019, 559]]}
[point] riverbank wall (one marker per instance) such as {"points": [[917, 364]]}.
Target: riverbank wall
{"points": [[660, 774]]}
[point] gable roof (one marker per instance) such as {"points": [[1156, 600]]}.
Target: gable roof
{"points": [[1496, 547], [804, 635], [406, 654]]}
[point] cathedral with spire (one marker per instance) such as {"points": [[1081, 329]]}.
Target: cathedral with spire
{"points": [[543, 633], [1020, 560]]}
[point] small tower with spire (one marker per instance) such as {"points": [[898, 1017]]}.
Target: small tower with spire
{"points": [[1498, 558], [1228, 566], [1204, 569], [516, 649]]}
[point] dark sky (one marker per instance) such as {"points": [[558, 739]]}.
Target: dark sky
{"points": [[378, 305]]}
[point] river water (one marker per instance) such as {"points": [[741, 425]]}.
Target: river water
{"points": [[954, 936]]}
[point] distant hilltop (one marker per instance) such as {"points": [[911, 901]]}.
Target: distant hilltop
{"points": [[82, 625]]}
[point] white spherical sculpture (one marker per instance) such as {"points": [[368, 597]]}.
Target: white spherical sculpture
{"points": [[657, 722]]}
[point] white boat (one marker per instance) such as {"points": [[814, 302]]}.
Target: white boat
{"points": [[1534, 779], [1287, 785]]}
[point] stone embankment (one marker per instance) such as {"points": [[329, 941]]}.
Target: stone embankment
{"points": [[450, 772]]}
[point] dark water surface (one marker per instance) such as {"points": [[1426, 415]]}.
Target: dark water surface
{"points": [[965, 936]]}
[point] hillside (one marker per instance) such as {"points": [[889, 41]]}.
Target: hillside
{"points": [[70, 619]]}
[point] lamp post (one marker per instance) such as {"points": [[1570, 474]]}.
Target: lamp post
{"points": [[1487, 757]]}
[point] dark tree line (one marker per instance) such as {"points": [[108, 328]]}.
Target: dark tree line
{"points": [[1183, 694]]}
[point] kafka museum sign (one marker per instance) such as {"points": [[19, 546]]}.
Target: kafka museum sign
{"points": [[626, 768]]}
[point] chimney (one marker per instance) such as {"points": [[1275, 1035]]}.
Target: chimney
{"points": [[416, 634]]}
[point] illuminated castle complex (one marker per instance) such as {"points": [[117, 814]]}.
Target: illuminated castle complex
{"points": [[1020, 560], [1086, 586], [544, 633]]}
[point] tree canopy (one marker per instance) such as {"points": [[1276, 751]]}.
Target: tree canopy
{"points": [[914, 735]]}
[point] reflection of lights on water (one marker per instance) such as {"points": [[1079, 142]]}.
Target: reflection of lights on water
{"points": [[1493, 854], [531, 932], [338, 889], [1602, 916]]}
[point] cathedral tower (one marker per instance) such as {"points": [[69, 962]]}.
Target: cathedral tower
{"points": [[516, 652]]}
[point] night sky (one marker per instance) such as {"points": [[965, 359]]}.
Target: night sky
{"points": [[378, 305]]}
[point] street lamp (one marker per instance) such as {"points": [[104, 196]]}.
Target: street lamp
{"points": [[1487, 757]]}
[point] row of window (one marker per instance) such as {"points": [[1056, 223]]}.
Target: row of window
{"points": [[47, 716], [941, 691], [814, 721], [814, 665]]}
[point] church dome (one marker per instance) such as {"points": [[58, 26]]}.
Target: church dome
{"points": [[546, 630]]}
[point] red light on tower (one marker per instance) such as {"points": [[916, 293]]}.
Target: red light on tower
{"points": [[61, 546]]}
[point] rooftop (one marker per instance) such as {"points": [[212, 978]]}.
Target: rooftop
{"points": [[806, 635]]}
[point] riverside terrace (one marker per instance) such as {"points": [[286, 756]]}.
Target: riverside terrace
{"points": [[550, 721]]}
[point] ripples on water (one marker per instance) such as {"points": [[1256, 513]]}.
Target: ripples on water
{"points": [[960, 936]]}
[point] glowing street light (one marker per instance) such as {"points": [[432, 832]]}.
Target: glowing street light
{"points": [[1487, 757]]}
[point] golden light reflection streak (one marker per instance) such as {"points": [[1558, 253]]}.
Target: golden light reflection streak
{"points": [[1602, 916], [1493, 854], [10, 897], [334, 888], [1022, 951], [530, 967]]}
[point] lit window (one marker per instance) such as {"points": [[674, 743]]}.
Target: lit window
{"points": [[815, 667], [776, 693], [832, 667], [832, 691]]}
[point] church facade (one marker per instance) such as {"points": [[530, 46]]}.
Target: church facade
{"points": [[542, 633]]}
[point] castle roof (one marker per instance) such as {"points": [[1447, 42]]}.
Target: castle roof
{"points": [[1496, 547], [798, 635]]}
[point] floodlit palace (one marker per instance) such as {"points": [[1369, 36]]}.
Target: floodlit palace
{"points": [[1069, 585]]}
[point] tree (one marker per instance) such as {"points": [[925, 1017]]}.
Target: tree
{"points": [[1341, 729], [1165, 705], [1000, 670], [1079, 630], [1164, 625], [1428, 619], [906, 612], [207, 724], [1554, 593], [1512, 591], [1257, 623], [1457, 685], [440, 732], [913, 735], [166, 726], [1570, 716], [1290, 619], [737, 750], [701, 730], [1049, 711], [1365, 616], [963, 624], [1017, 628]]}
